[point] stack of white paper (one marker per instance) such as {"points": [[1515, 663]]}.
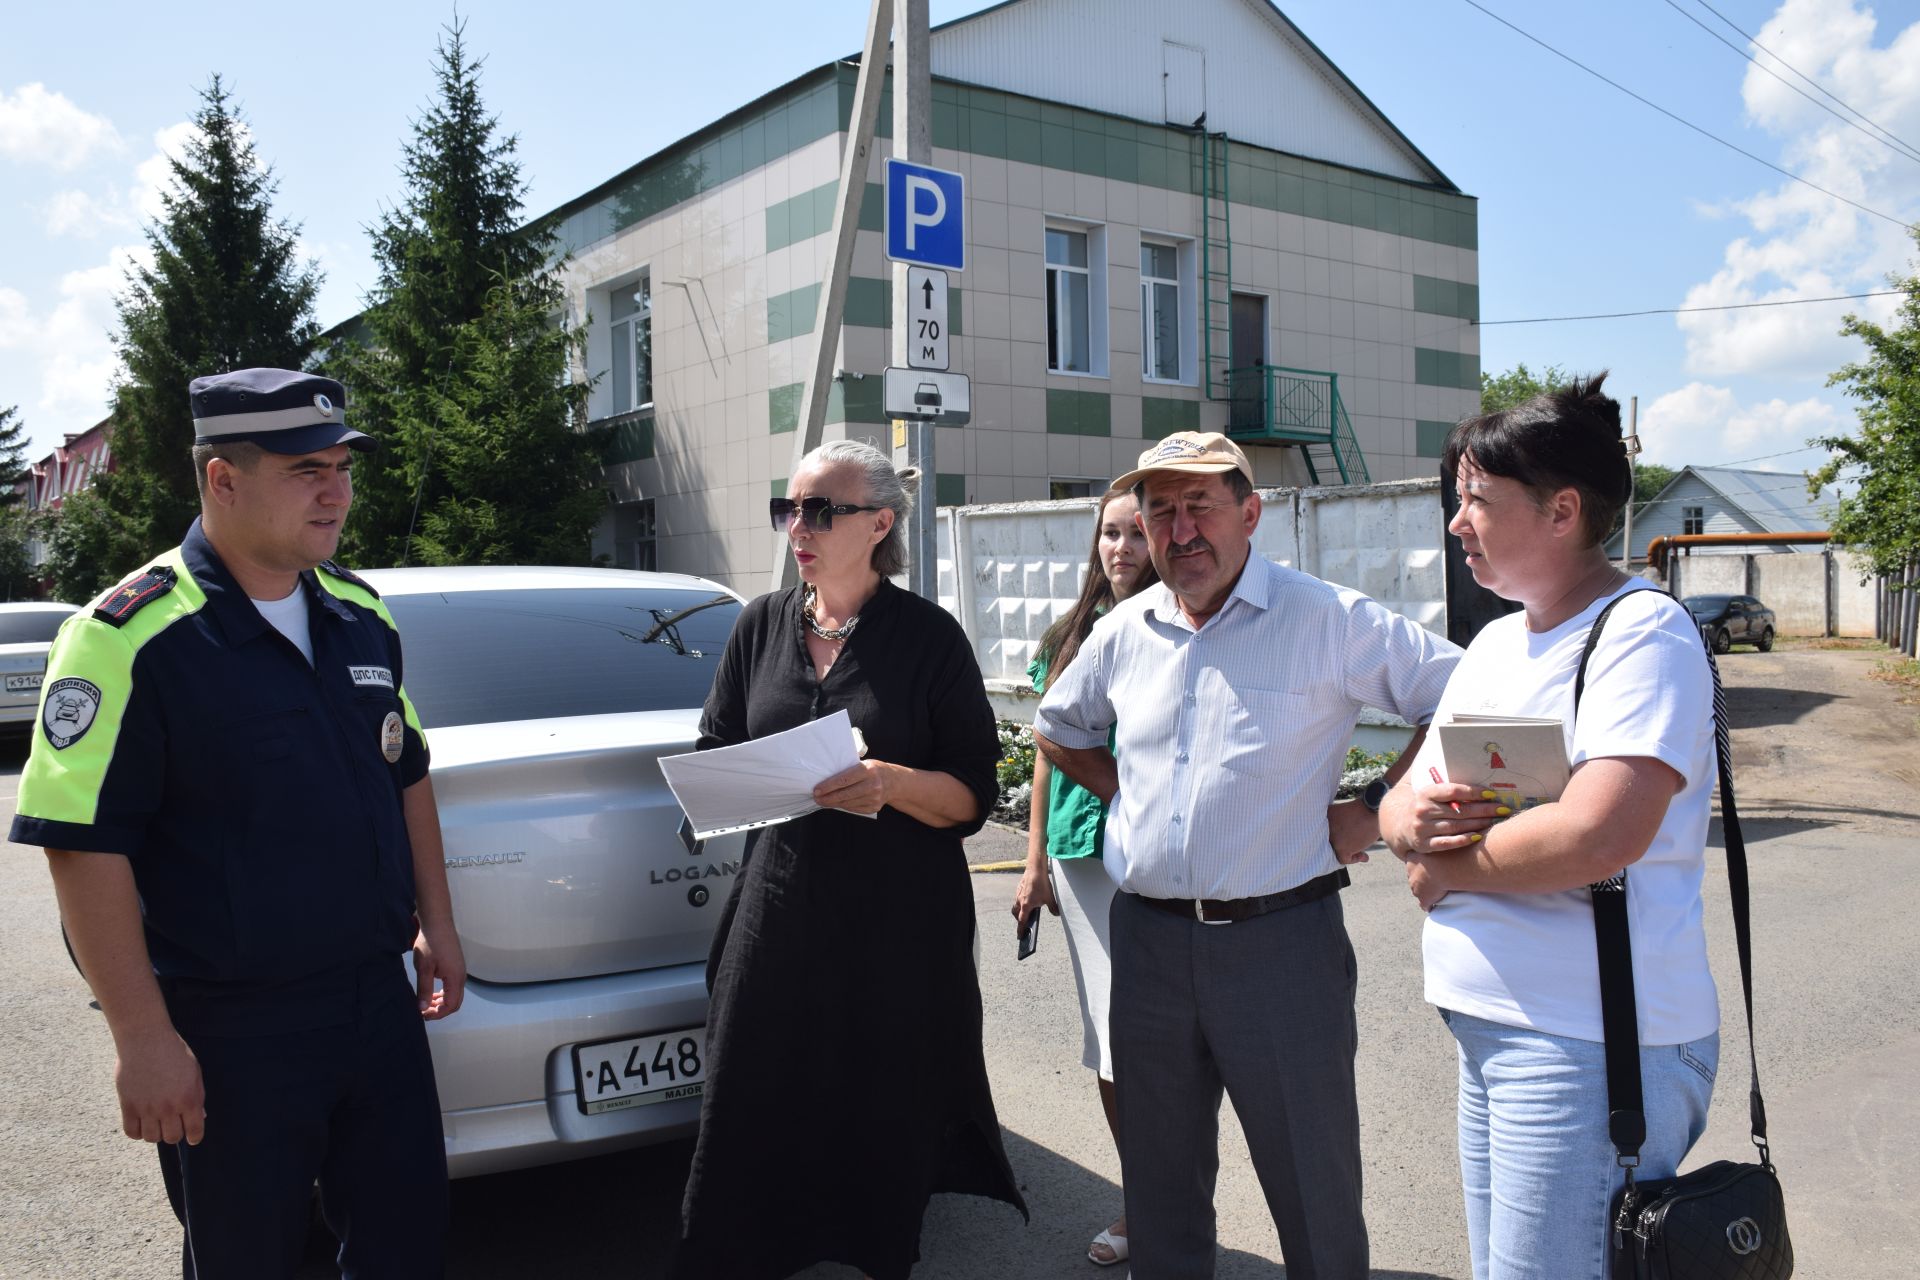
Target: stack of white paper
{"points": [[759, 783]]}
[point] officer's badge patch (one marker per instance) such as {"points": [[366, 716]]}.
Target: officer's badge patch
{"points": [[67, 711], [371, 677], [393, 737]]}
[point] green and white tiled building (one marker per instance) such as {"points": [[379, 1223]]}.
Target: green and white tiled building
{"points": [[1289, 268]]}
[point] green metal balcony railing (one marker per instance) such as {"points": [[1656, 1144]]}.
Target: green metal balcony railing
{"points": [[1272, 404]]}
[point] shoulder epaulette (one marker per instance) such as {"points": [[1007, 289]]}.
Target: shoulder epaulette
{"points": [[130, 597], [348, 575]]}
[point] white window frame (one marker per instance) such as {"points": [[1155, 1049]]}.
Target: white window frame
{"points": [[1096, 276], [1186, 313], [1693, 520], [625, 331], [1094, 487]]}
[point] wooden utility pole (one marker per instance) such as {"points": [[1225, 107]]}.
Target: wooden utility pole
{"points": [[846, 222]]}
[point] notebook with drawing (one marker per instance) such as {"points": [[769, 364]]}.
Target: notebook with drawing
{"points": [[1522, 759]]}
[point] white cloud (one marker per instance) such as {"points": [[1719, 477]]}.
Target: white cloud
{"points": [[39, 126], [155, 174], [83, 214], [79, 214], [71, 344], [1707, 425], [1805, 244], [15, 323]]}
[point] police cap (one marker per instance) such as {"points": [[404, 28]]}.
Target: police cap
{"points": [[281, 410]]}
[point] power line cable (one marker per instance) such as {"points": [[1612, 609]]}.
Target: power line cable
{"points": [[1789, 66], [1892, 143], [1786, 173], [1677, 311]]}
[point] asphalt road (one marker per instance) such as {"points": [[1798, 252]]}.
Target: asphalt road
{"points": [[1840, 1033]]}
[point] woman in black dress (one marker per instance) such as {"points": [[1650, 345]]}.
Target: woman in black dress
{"points": [[846, 1081]]}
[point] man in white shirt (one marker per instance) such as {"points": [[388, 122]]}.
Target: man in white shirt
{"points": [[1242, 682]]}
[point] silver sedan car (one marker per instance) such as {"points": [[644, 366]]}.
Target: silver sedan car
{"points": [[26, 632], [549, 696]]}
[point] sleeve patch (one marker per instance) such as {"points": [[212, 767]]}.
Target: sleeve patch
{"points": [[68, 711], [129, 599]]}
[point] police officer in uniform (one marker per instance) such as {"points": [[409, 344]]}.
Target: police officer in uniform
{"points": [[231, 787]]}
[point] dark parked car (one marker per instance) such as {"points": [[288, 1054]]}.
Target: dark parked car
{"points": [[1729, 620]]}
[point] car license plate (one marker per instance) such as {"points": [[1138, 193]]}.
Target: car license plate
{"points": [[614, 1075], [17, 683]]}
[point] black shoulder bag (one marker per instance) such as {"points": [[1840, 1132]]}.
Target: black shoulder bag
{"points": [[1727, 1220]]}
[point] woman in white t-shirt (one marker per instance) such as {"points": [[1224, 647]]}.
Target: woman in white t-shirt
{"points": [[1509, 942]]}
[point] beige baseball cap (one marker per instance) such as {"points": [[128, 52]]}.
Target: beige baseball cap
{"points": [[1200, 452]]}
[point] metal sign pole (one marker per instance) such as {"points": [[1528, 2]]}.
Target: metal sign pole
{"points": [[913, 140]]}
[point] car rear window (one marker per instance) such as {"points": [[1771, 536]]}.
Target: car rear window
{"points": [[36, 626], [1707, 604], [483, 657]]}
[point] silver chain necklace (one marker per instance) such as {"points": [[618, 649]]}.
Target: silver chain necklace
{"points": [[840, 632]]}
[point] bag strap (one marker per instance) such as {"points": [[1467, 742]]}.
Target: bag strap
{"points": [[1627, 1125]]}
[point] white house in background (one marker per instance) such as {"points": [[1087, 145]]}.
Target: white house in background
{"points": [[1727, 500]]}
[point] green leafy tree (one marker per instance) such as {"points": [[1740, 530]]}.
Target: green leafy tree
{"points": [[461, 364], [1504, 390], [1649, 478], [224, 292], [14, 466], [89, 547], [18, 578], [1880, 518]]}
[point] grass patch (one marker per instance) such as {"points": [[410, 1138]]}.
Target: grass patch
{"points": [[1903, 674], [1865, 644]]}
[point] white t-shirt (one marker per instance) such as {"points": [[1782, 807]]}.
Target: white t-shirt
{"points": [[288, 616], [1527, 959]]}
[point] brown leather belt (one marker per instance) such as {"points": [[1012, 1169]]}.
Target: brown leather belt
{"points": [[1210, 911]]}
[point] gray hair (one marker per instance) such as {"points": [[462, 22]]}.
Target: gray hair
{"points": [[886, 487]]}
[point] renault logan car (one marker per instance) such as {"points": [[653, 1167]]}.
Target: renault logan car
{"points": [[548, 697]]}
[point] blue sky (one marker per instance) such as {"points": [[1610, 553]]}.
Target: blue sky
{"points": [[1589, 201]]}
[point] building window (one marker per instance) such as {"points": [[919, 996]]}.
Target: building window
{"points": [[631, 310], [1159, 312], [1693, 520], [1060, 488], [633, 536], [1069, 295]]}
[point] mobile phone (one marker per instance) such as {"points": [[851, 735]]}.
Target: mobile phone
{"points": [[1030, 936]]}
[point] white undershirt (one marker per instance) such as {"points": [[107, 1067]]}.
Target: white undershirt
{"points": [[289, 617]]}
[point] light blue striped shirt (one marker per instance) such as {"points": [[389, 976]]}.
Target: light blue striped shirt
{"points": [[1231, 739]]}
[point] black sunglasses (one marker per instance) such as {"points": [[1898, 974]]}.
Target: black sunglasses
{"points": [[817, 513]]}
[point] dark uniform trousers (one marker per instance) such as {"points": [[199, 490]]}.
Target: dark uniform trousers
{"points": [[1263, 1009], [352, 1106]]}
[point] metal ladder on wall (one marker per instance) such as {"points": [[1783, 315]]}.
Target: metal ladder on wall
{"points": [[1216, 264]]}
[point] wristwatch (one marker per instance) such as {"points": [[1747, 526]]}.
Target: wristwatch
{"points": [[1375, 794]]}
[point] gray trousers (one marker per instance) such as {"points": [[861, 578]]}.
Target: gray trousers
{"points": [[1263, 1009]]}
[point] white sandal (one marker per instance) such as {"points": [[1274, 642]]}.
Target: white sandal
{"points": [[1118, 1244]]}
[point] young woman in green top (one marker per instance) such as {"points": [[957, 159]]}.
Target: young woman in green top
{"points": [[1066, 820]]}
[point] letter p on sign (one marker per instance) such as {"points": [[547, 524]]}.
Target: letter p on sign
{"points": [[924, 216]]}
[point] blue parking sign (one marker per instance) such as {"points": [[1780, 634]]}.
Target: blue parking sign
{"points": [[924, 219]]}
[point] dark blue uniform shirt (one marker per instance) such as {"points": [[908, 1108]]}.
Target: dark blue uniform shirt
{"points": [[257, 797]]}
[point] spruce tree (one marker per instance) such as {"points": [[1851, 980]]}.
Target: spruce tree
{"points": [[14, 466], [224, 292], [464, 370]]}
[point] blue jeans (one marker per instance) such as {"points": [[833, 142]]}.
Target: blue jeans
{"points": [[1535, 1161]]}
